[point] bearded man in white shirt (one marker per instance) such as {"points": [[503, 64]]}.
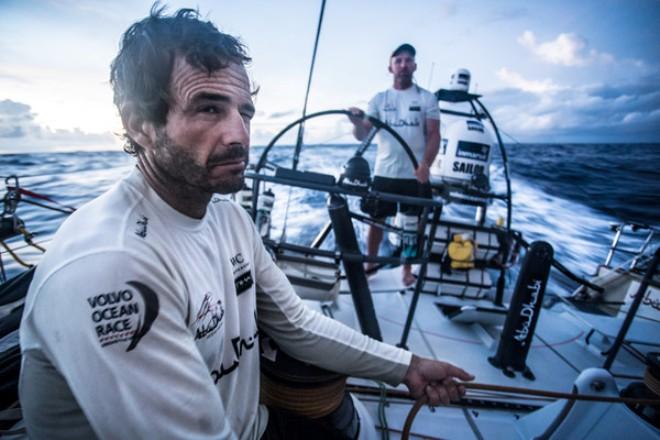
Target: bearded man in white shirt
{"points": [[414, 113], [142, 320]]}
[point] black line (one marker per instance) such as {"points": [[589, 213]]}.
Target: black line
{"points": [[558, 354], [472, 424]]}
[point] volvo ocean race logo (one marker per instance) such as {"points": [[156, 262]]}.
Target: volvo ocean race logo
{"points": [[124, 315], [209, 317]]}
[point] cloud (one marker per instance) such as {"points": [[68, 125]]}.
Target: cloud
{"points": [[8, 76], [261, 136], [20, 132], [266, 125], [567, 49], [283, 114], [517, 81], [335, 129], [613, 112], [11, 108], [15, 118]]}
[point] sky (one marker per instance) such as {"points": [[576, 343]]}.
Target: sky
{"points": [[549, 71]]}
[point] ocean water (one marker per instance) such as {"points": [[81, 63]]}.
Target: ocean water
{"points": [[565, 194]]}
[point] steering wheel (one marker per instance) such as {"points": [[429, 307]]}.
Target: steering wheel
{"points": [[376, 123]]}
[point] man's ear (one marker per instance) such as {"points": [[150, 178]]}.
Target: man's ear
{"points": [[141, 131], [389, 68], [414, 67]]}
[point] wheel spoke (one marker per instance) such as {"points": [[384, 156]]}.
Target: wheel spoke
{"points": [[366, 142]]}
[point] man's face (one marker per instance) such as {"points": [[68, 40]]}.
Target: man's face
{"points": [[402, 66], [205, 142]]}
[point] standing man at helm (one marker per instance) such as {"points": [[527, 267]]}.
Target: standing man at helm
{"points": [[143, 318], [413, 112]]}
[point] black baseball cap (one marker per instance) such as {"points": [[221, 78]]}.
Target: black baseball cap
{"points": [[405, 47]]}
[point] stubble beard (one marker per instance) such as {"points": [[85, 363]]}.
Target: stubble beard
{"points": [[404, 79], [186, 175]]}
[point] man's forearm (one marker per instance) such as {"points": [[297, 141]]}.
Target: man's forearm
{"points": [[360, 131], [361, 125], [432, 147]]}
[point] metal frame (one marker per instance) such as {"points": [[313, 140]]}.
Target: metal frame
{"points": [[458, 96], [619, 230], [625, 326]]}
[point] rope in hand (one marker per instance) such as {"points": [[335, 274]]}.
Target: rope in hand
{"points": [[498, 388], [559, 395], [516, 390], [407, 426]]}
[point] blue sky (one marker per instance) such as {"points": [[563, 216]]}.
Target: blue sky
{"points": [[552, 71]]}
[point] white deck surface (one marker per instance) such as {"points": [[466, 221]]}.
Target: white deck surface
{"points": [[559, 352]]}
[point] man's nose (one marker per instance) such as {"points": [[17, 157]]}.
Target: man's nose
{"points": [[236, 130]]}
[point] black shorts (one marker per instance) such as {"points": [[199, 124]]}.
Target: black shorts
{"points": [[406, 187], [341, 424]]}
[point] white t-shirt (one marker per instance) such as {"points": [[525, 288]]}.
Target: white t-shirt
{"points": [[406, 111], [141, 322]]}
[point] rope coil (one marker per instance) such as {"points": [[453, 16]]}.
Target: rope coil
{"points": [[511, 390], [314, 401], [407, 426]]}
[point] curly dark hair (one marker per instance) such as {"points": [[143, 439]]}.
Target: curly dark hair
{"points": [[140, 74]]}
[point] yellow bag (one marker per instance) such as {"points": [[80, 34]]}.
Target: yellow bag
{"points": [[461, 252]]}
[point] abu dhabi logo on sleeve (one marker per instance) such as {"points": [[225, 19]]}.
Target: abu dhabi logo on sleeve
{"points": [[124, 315]]}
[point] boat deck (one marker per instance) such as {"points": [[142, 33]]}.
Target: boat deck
{"points": [[559, 352]]}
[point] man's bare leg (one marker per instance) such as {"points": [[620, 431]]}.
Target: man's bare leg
{"points": [[374, 237], [408, 277]]}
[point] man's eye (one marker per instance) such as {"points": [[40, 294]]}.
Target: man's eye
{"points": [[209, 109]]}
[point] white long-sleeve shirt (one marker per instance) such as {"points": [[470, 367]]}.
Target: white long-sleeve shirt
{"points": [[142, 322]]}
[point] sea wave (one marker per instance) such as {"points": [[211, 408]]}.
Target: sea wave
{"points": [[567, 195]]}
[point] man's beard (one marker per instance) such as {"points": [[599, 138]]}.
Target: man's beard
{"points": [[179, 166], [405, 76]]}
